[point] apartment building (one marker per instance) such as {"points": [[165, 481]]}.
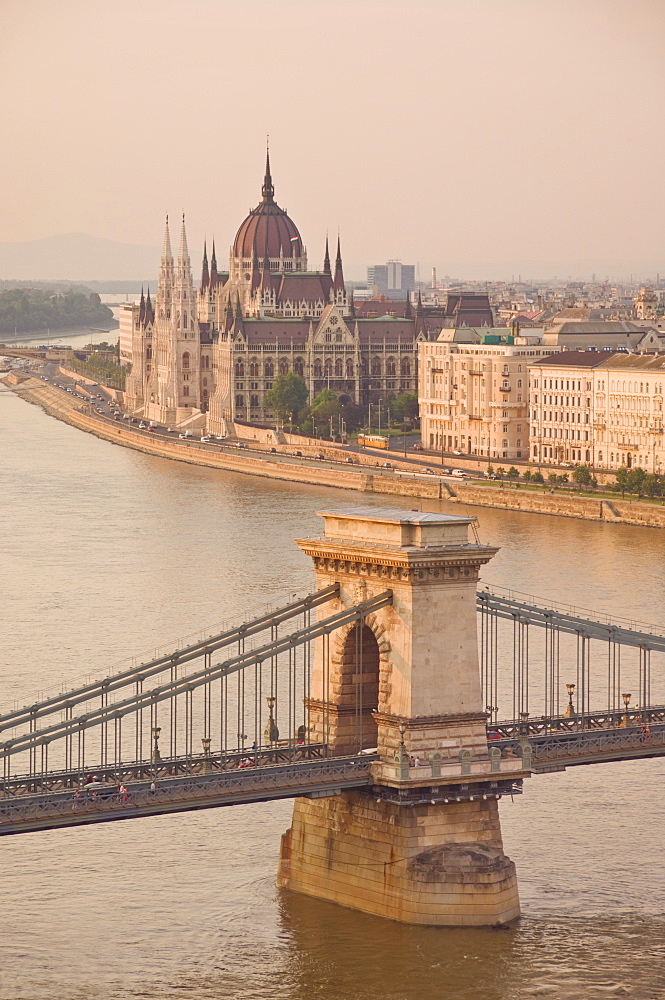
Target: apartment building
{"points": [[604, 408], [474, 397]]}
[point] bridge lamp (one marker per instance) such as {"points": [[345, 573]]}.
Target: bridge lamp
{"points": [[155, 731], [626, 698], [206, 741], [402, 731], [570, 711]]}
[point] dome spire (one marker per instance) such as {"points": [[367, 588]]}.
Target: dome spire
{"points": [[268, 191]]}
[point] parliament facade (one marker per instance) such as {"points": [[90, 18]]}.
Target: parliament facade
{"points": [[206, 357]]}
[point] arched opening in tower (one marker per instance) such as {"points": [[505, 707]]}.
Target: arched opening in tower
{"points": [[360, 687]]}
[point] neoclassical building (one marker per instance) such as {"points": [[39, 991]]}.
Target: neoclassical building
{"points": [[207, 356]]}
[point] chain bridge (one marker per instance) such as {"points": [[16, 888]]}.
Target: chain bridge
{"points": [[395, 689]]}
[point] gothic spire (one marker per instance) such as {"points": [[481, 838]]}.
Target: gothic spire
{"points": [[407, 308], [339, 276], [149, 311], [205, 277], [326, 259], [167, 256], [142, 308], [267, 190], [213, 267], [183, 253]]}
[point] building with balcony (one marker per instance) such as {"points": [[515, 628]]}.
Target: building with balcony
{"points": [[602, 408], [474, 396]]}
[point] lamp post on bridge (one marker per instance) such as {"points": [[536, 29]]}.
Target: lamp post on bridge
{"points": [[206, 741], [155, 756], [271, 732], [626, 696], [570, 712]]}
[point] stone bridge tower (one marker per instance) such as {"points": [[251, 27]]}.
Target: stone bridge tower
{"points": [[423, 845]]}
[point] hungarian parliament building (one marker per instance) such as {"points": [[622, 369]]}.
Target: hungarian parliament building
{"points": [[206, 357]]}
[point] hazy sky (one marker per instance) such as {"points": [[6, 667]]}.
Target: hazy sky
{"points": [[487, 137]]}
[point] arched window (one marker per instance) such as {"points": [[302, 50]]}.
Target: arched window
{"points": [[240, 402], [185, 390], [406, 367], [269, 369], [376, 366], [240, 369], [148, 354], [205, 381], [298, 366], [184, 321], [206, 362], [339, 367], [254, 402], [254, 369], [327, 367], [185, 360], [391, 368], [283, 366], [349, 368], [317, 368]]}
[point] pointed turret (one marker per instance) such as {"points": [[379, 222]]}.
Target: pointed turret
{"points": [[183, 253], [142, 308], [268, 191], [149, 311], [326, 260], [238, 309], [167, 256], [214, 278], [338, 284], [229, 314], [205, 276], [420, 316], [352, 306], [407, 307]]}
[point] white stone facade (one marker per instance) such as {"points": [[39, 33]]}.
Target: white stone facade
{"points": [[474, 398]]}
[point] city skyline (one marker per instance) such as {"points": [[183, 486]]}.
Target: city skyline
{"points": [[510, 144]]}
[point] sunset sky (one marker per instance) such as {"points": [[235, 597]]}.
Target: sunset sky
{"points": [[486, 137]]}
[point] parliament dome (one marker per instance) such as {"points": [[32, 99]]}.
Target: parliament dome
{"points": [[268, 229]]}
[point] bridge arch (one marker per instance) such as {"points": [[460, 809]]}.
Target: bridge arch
{"points": [[359, 678]]}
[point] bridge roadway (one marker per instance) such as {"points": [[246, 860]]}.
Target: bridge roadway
{"points": [[63, 799]]}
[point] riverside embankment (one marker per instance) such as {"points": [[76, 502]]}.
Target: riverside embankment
{"points": [[60, 404]]}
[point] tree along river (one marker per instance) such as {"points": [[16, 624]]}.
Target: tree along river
{"points": [[107, 553]]}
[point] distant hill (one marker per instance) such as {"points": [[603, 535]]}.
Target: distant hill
{"points": [[78, 257]]}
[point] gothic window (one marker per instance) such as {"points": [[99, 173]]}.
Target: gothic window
{"points": [[254, 402], [298, 366], [253, 369], [185, 390], [185, 360], [349, 368], [184, 320], [206, 361], [339, 370], [148, 354], [240, 402], [390, 367], [376, 366], [269, 369], [406, 367], [240, 369], [317, 368], [205, 381], [327, 368], [283, 366]]}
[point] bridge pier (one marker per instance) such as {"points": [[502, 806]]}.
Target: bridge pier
{"points": [[423, 845]]}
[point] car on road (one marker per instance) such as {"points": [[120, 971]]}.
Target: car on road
{"points": [[153, 429], [417, 447], [298, 454], [430, 472], [273, 451], [320, 457], [388, 465], [142, 426], [205, 439], [348, 460], [460, 474]]}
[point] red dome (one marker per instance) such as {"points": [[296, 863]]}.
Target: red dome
{"points": [[267, 229]]}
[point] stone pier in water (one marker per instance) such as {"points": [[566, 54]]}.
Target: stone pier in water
{"points": [[423, 845]]}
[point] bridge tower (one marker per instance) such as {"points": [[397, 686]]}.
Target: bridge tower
{"points": [[422, 845]]}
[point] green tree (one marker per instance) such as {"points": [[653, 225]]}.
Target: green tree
{"points": [[528, 475], [653, 485], [404, 407], [621, 480], [288, 396], [537, 477], [582, 475], [635, 480], [325, 406], [513, 473]]}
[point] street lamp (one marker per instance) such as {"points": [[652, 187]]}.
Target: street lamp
{"points": [[206, 741], [155, 757], [271, 732], [626, 696], [380, 401], [570, 712]]}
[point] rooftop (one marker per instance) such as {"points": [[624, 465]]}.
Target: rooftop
{"points": [[395, 515]]}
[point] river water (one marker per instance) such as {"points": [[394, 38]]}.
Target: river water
{"points": [[106, 553]]}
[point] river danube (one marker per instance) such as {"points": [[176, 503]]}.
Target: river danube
{"points": [[107, 553]]}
